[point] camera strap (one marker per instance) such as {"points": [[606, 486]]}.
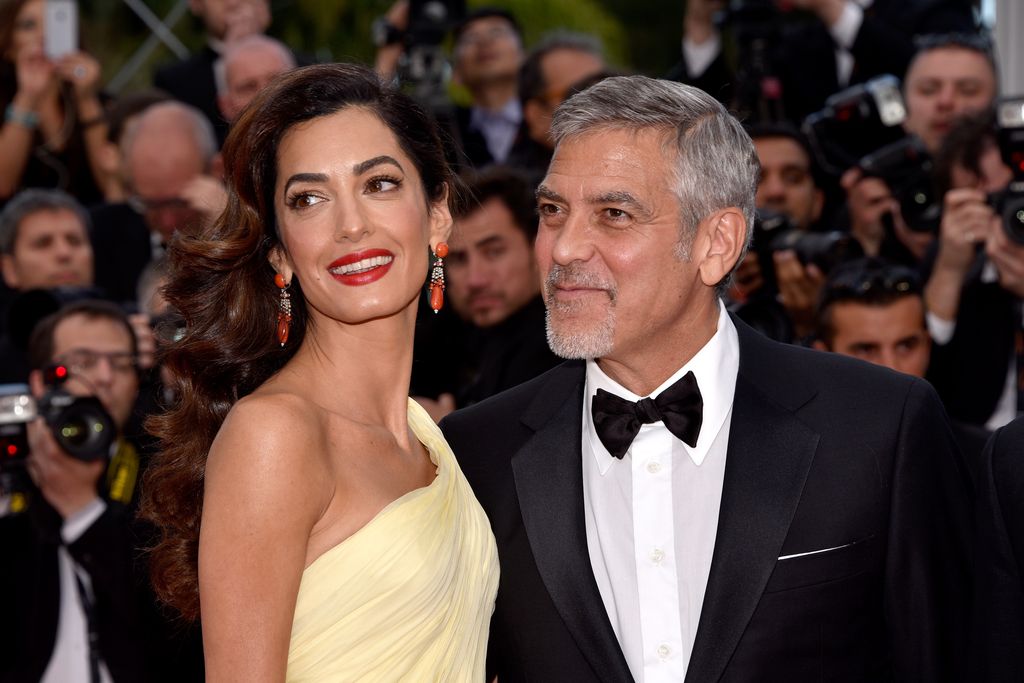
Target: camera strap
{"points": [[89, 609], [123, 472]]}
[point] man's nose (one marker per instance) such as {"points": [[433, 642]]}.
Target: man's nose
{"points": [[572, 241]]}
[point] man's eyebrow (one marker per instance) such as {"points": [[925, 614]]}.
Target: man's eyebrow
{"points": [[364, 166], [545, 192], [305, 178], [620, 197]]}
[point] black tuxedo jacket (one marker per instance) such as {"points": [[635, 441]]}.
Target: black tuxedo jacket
{"points": [[825, 454], [999, 608]]}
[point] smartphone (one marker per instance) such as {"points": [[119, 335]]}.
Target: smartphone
{"points": [[60, 28]]}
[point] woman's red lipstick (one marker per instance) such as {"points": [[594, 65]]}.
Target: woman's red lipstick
{"points": [[361, 267]]}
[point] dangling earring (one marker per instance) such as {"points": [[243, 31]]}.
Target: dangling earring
{"points": [[437, 277], [284, 310]]}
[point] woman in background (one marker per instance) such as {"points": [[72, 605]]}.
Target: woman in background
{"points": [[313, 515], [54, 125]]}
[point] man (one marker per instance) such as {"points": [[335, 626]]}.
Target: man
{"points": [[998, 624], [788, 182], [553, 66], [44, 244], [487, 54], [975, 287], [787, 186], [875, 311], [44, 241], [846, 42], [169, 157], [804, 518], [247, 66], [950, 77], [493, 283], [192, 80], [68, 577]]}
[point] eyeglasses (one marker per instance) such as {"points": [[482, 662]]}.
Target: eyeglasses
{"points": [[978, 42], [141, 205], [86, 361]]}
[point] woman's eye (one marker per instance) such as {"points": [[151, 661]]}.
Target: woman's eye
{"points": [[303, 200], [382, 184]]}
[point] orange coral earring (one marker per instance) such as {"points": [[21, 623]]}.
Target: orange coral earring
{"points": [[437, 277], [284, 311]]}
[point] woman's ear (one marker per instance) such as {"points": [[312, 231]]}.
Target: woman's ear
{"points": [[279, 261], [441, 221]]}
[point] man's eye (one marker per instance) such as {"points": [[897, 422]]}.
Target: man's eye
{"points": [[547, 209], [616, 214]]}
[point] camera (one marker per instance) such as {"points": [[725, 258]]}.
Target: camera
{"points": [[855, 123], [81, 426], [774, 232], [1010, 202], [424, 69], [906, 167], [758, 27]]}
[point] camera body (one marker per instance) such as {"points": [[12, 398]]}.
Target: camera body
{"points": [[906, 167], [1010, 202], [81, 426], [775, 232], [855, 123], [424, 68]]}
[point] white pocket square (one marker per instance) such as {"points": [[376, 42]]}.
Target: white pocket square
{"points": [[818, 552]]}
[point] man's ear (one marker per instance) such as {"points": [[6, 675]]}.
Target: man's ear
{"points": [[725, 237], [818, 205], [35, 383], [7, 270]]}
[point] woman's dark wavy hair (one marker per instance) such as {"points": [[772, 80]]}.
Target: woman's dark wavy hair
{"points": [[222, 283]]}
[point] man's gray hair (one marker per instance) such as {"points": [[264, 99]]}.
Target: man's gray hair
{"points": [[30, 201], [716, 162], [158, 119], [237, 50]]}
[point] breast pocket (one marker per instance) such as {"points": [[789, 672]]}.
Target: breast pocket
{"points": [[822, 565]]}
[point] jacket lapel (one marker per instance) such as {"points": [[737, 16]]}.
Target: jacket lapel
{"points": [[549, 483], [768, 458]]}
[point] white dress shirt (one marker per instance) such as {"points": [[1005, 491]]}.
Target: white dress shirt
{"points": [[652, 517], [498, 128], [69, 662]]}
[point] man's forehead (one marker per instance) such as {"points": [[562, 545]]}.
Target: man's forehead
{"points": [[81, 332]]}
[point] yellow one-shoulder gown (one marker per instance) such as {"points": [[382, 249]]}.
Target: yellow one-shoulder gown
{"points": [[409, 596]]}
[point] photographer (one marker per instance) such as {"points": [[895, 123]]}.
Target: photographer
{"points": [[71, 605], [976, 284], [950, 76]]}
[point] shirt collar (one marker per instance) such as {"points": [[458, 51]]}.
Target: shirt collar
{"points": [[511, 114], [715, 365]]}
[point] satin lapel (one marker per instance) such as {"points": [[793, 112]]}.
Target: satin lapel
{"points": [[549, 483], [769, 455]]}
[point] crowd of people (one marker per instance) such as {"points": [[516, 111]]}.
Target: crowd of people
{"points": [[840, 177]]}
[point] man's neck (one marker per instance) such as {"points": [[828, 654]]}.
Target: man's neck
{"points": [[494, 96]]}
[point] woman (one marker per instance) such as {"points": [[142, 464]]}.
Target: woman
{"points": [[336, 538], [53, 128]]}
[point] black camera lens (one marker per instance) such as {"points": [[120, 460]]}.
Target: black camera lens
{"points": [[81, 425], [1013, 218]]}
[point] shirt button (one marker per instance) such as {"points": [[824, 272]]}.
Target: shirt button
{"points": [[654, 467], [657, 555], [664, 651]]}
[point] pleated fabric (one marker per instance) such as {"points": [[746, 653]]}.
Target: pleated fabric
{"points": [[409, 596]]}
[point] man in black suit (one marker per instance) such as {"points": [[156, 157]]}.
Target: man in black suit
{"points": [[192, 79], [764, 512], [999, 603]]}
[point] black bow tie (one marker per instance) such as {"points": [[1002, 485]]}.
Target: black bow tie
{"points": [[618, 421]]}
